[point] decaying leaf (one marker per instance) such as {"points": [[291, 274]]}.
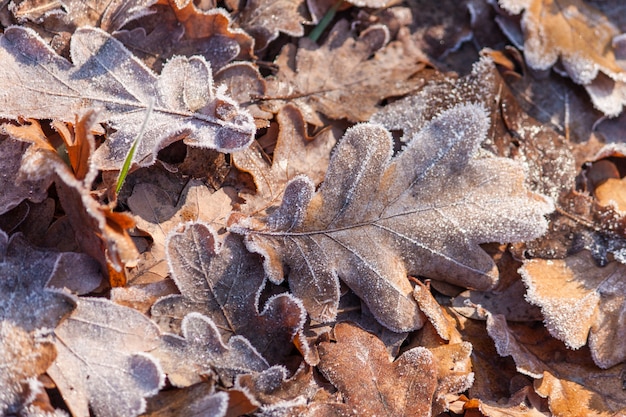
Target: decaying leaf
{"points": [[23, 357], [223, 281], [107, 77], [102, 361], [24, 272], [196, 401], [109, 15], [570, 380], [582, 38], [200, 353], [293, 155], [15, 188], [98, 231], [372, 384], [264, 19], [155, 213], [581, 301], [345, 77], [396, 206]]}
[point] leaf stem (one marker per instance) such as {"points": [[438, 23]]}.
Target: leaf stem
{"points": [[323, 24], [131, 152]]}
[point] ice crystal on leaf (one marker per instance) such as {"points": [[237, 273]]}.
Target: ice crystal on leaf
{"points": [[377, 219]]}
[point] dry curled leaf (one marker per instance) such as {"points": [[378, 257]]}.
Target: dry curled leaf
{"points": [[582, 38], [223, 281], [105, 76], [371, 383], [265, 19], [569, 379], [376, 219], [294, 154], [581, 303], [102, 361], [345, 77]]}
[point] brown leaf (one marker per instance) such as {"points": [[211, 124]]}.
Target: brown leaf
{"points": [[156, 212], [201, 353], [371, 383], [265, 19], [581, 37], [581, 301], [293, 155], [215, 24], [223, 281], [196, 401], [377, 219], [101, 359], [569, 379], [17, 187], [98, 231], [108, 15], [345, 77], [23, 357], [186, 103]]}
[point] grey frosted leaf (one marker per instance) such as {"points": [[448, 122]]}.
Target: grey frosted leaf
{"points": [[109, 15], [106, 76], [376, 220], [223, 281], [15, 187], [24, 299], [201, 352], [101, 360]]}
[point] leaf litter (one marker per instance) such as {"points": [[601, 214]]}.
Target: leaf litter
{"points": [[254, 264]]}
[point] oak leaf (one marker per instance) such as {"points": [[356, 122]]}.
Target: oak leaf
{"points": [[372, 384], [223, 281], [108, 15], [376, 219], [102, 361], [345, 77], [196, 401], [105, 76], [201, 353], [265, 19], [293, 155], [582, 38], [577, 287], [570, 380]]}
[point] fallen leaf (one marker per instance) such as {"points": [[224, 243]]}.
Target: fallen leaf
{"points": [[371, 383], [196, 401], [156, 213], [98, 231], [575, 287], [108, 15], [569, 379], [107, 77], [345, 77], [102, 362], [24, 273], [369, 200], [23, 357], [265, 19], [223, 281], [15, 186], [293, 155], [200, 353], [581, 38]]}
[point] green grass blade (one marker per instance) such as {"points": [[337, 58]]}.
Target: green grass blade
{"points": [[131, 152], [323, 24]]}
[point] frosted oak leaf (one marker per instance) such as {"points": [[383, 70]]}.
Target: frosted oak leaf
{"points": [[377, 219], [105, 76]]}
